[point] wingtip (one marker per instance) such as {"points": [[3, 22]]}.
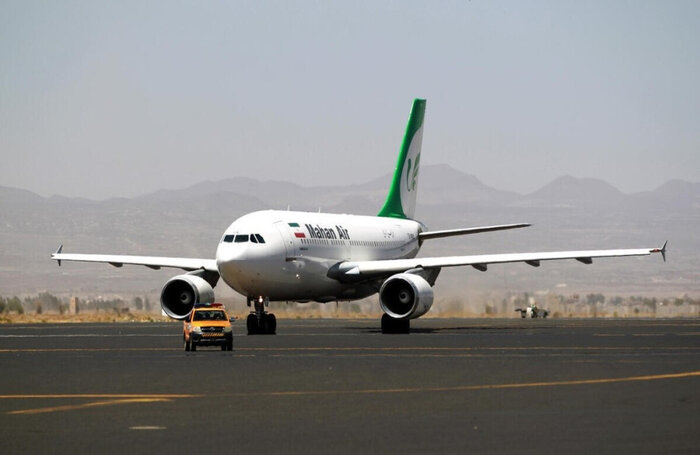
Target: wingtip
{"points": [[58, 251], [661, 250]]}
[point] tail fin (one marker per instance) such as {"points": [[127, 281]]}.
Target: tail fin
{"points": [[401, 200]]}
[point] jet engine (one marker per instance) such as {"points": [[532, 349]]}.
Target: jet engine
{"points": [[405, 296], [180, 294]]}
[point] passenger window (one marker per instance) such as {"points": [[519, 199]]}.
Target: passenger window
{"points": [[228, 238], [260, 238], [241, 238]]}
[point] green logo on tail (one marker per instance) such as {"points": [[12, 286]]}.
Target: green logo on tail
{"points": [[412, 177]]}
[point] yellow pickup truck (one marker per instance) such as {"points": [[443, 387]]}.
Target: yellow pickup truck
{"points": [[208, 325]]}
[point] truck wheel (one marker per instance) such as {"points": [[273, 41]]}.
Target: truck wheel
{"points": [[187, 345], [193, 346], [229, 345]]}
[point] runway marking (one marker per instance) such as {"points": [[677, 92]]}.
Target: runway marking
{"points": [[118, 396], [92, 404], [306, 334], [464, 348], [111, 399], [480, 387], [365, 348], [422, 356], [120, 399], [147, 428], [88, 349], [88, 335]]}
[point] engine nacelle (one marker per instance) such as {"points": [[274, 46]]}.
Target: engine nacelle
{"points": [[180, 294], [405, 296]]}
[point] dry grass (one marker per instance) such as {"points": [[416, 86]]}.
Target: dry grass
{"points": [[307, 312], [14, 318]]}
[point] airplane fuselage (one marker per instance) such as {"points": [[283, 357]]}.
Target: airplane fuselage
{"points": [[286, 255]]}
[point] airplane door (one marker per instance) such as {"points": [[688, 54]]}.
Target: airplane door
{"points": [[288, 238]]}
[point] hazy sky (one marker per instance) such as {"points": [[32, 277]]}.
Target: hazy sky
{"points": [[102, 99]]}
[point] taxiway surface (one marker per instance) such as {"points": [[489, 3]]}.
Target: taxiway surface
{"points": [[340, 386]]}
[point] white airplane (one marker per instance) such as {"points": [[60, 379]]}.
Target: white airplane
{"points": [[277, 255], [531, 311]]}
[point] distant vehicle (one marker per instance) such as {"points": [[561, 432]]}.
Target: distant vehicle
{"points": [[532, 312], [208, 325], [280, 255]]}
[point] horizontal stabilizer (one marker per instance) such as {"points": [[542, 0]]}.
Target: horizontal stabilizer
{"points": [[466, 231]]}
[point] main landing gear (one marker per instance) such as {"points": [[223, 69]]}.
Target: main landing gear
{"points": [[260, 322], [393, 325]]}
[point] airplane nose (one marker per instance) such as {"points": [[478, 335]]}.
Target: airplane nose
{"points": [[229, 255], [230, 260]]}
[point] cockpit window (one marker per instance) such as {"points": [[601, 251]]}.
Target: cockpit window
{"points": [[243, 238]]}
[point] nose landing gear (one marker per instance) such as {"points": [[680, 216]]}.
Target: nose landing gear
{"points": [[260, 322]]}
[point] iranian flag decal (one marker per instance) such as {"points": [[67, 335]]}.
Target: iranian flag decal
{"points": [[298, 233]]}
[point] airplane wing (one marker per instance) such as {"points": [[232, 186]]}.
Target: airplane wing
{"points": [[358, 270], [153, 262]]}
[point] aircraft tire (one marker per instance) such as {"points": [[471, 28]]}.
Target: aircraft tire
{"points": [[270, 324], [251, 323]]}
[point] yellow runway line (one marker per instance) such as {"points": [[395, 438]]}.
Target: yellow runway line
{"points": [[88, 349], [119, 399], [93, 404], [487, 386], [115, 396], [489, 348], [376, 349]]}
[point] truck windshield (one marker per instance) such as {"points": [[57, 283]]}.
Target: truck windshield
{"points": [[209, 315]]}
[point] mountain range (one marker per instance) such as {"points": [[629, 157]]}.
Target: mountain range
{"points": [[567, 213]]}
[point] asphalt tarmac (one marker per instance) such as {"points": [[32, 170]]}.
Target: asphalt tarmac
{"points": [[339, 386]]}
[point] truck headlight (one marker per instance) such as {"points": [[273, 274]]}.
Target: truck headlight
{"points": [[197, 329], [227, 329]]}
